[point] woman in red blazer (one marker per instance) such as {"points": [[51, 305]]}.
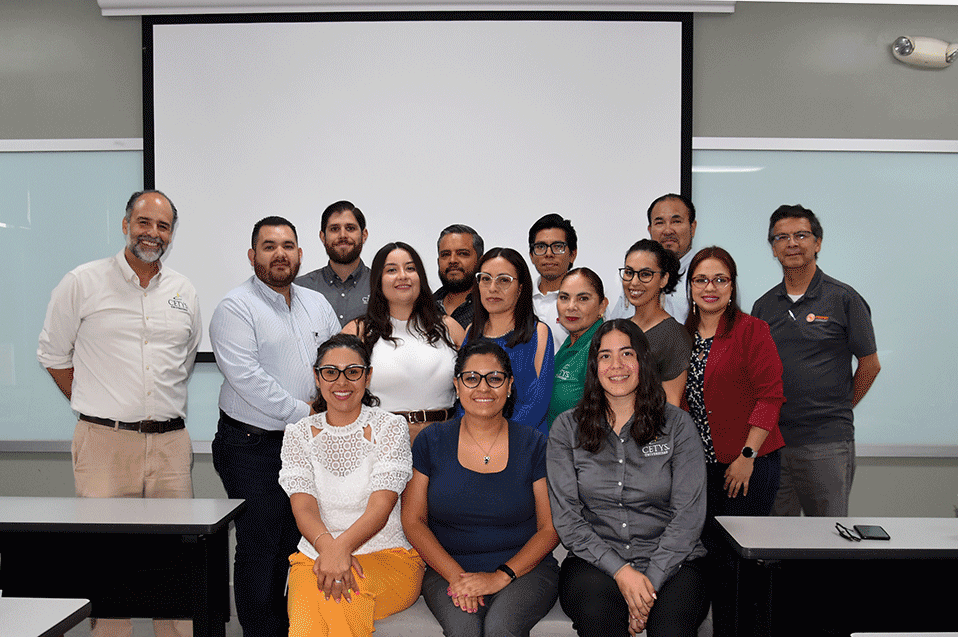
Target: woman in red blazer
{"points": [[734, 390]]}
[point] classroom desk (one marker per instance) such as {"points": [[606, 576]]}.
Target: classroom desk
{"points": [[39, 617], [793, 576], [131, 557]]}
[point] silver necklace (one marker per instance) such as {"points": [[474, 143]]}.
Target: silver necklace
{"points": [[486, 452]]}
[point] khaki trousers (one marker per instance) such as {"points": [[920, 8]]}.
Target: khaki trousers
{"points": [[114, 463]]}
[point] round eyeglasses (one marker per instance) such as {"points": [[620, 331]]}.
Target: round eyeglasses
{"points": [[330, 373], [645, 274], [472, 379]]}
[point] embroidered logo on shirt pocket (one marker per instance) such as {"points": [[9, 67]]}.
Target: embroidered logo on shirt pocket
{"points": [[656, 449]]}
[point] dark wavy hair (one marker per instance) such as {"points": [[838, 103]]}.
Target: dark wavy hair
{"points": [[347, 341], [425, 318], [593, 411], [732, 310], [482, 346], [668, 262], [523, 316]]}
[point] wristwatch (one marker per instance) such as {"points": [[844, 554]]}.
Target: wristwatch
{"points": [[508, 571], [748, 452]]}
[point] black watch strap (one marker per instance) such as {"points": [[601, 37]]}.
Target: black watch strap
{"points": [[508, 571]]}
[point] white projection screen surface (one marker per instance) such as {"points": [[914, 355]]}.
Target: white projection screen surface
{"points": [[421, 123]]}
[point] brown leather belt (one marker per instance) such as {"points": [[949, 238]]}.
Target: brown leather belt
{"points": [[426, 415], [141, 426]]}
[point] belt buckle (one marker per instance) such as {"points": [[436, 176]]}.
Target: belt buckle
{"points": [[414, 416]]}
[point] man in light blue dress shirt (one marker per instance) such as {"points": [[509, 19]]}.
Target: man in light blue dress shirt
{"points": [[264, 335]]}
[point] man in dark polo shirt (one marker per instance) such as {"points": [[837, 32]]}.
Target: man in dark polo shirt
{"points": [[345, 280], [818, 325], [459, 250]]}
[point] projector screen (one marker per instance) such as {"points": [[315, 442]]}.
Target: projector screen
{"points": [[421, 121]]}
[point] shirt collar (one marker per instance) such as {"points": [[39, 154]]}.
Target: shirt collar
{"points": [[812, 291], [132, 277], [330, 275], [272, 295], [543, 295]]}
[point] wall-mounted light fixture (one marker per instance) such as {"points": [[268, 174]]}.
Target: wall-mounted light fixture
{"points": [[921, 51]]}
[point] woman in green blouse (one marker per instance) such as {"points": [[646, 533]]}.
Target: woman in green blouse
{"points": [[581, 304]]}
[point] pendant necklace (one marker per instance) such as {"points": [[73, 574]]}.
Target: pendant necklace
{"points": [[486, 452]]}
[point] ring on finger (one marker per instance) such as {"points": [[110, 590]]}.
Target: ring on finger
{"points": [[337, 581]]}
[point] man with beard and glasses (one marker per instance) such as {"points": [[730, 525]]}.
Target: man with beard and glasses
{"points": [[459, 250], [345, 280], [264, 335], [119, 339]]}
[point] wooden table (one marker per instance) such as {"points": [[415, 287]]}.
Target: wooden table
{"points": [[131, 557]]}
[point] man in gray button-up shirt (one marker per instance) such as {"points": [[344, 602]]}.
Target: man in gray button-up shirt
{"points": [[345, 279]]}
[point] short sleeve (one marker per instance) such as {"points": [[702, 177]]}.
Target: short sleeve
{"points": [[393, 465], [674, 348], [861, 332], [422, 450], [538, 455], [296, 474]]}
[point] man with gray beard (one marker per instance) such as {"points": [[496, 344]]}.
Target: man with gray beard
{"points": [[119, 339]]}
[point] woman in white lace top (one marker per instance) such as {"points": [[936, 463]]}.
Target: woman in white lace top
{"points": [[344, 469]]}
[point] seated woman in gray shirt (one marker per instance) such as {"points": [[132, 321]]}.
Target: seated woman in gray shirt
{"points": [[626, 475]]}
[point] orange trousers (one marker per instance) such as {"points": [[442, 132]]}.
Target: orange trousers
{"points": [[392, 581]]}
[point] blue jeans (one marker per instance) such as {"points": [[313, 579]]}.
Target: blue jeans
{"points": [[266, 533], [512, 612]]}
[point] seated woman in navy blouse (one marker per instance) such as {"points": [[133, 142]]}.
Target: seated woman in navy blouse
{"points": [[477, 508], [502, 298]]}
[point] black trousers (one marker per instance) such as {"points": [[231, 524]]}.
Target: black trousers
{"points": [[266, 533], [593, 600]]}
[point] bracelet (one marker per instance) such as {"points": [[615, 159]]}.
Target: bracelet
{"points": [[508, 571], [319, 536]]}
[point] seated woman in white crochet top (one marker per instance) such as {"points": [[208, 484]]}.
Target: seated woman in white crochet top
{"points": [[344, 469]]}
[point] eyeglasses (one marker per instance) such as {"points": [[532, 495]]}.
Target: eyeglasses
{"points": [[720, 282], [472, 379], [503, 281], [557, 247], [847, 533], [645, 274], [799, 237], [330, 373]]}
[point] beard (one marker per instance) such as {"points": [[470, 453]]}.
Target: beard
{"points": [[455, 286], [264, 273], [336, 256], [147, 255]]}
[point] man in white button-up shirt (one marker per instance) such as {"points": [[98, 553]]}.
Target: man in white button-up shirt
{"points": [[119, 339], [265, 334]]}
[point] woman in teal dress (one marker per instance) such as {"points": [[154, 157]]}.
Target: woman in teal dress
{"points": [[581, 304]]}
